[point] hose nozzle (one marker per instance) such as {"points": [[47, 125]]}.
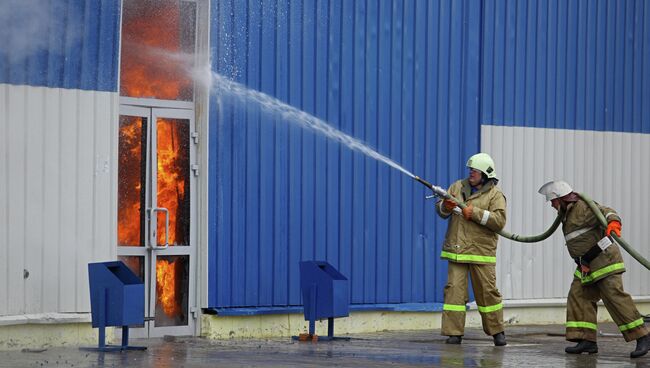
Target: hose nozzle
{"points": [[424, 182], [437, 191]]}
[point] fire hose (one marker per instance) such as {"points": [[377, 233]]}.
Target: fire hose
{"points": [[441, 193], [619, 240]]}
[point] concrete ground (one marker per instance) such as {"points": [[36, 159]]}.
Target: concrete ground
{"points": [[539, 346]]}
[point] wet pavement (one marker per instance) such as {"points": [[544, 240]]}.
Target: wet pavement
{"points": [[538, 346]]}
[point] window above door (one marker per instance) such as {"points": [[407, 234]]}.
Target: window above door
{"points": [[157, 49]]}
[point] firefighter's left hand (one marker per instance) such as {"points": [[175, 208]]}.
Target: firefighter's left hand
{"points": [[467, 212], [613, 226]]}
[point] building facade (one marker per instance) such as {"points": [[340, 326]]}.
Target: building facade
{"points": [[181, 137]]}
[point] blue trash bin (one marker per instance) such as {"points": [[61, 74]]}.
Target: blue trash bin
{"points": [[324, 293], [116, 299]]}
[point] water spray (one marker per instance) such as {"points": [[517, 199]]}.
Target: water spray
{"points": [[223, 85], [228, 87]]}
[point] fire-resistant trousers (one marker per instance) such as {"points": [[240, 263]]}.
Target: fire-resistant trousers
{"points": [[486, 293], [581, 309]]}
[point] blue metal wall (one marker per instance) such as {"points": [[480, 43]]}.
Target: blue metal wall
{"points": [[567, 64], [60, 43], [402, 76]]}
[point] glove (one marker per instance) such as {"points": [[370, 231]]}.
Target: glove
{"points": [[449, 204], [613, 226], [467, 212]]}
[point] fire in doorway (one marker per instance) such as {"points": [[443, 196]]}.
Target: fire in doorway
{"points": [[157, 36]]}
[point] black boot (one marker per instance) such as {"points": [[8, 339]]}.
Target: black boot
{"points": [[642, 347], [456, 340], [499, 339], [583, 346]]}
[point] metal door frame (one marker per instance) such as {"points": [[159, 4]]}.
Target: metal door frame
{"points": [[149, 253]]}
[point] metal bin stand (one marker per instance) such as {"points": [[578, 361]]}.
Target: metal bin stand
{"points": [[116, 299], [325, 295]]}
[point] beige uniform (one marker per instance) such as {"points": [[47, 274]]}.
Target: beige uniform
{"points": [[470, 247], [604, 281]]}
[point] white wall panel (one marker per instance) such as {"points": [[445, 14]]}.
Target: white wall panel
{"points": [[57, 195], [610, 167], [16, 199], [34, 160], [4, 203], [51, 224]]}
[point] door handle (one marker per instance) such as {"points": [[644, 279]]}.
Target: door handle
{"points": [[153, 239]]}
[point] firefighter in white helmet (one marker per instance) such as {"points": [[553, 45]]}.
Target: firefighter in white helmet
{"points": [[470, 247], [598, 274]]}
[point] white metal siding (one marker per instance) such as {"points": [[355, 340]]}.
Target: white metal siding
{"points": [[57, 195], [610, 167]]}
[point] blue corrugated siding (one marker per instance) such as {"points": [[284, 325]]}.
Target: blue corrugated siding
{"points": [[402, 76], [567, 64], [60, 43]]}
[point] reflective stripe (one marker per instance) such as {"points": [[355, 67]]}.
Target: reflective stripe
{"points": [[599, 272], [577, 233], [467, 257], [454, 307], [631, 325], [609, 214], [486, 216], [580, 324], [491, 308]]}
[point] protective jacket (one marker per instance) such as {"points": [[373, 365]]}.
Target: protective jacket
{"points": [[582, 232], [471, 241]]}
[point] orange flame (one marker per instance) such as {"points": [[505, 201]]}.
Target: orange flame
{"points": [[172, 176], [134, 263], [151, 35], [166, 275], [129, 185]]}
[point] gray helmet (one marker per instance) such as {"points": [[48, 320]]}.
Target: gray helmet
{"points": [[555, 189]]}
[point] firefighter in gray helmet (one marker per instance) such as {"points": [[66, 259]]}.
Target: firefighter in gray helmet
{"points": [[598, 273], [470, 247]]}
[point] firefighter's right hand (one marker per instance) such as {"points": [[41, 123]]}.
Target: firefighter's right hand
{"points": [[449, 204]]}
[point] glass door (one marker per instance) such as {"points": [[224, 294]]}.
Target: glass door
{"points": [[156, 214]]}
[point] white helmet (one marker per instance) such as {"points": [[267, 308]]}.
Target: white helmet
{"points": [[555, 189], [483, 163]]}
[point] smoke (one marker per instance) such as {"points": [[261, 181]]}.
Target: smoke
{"points": [[27, 26], [200, 73]]}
